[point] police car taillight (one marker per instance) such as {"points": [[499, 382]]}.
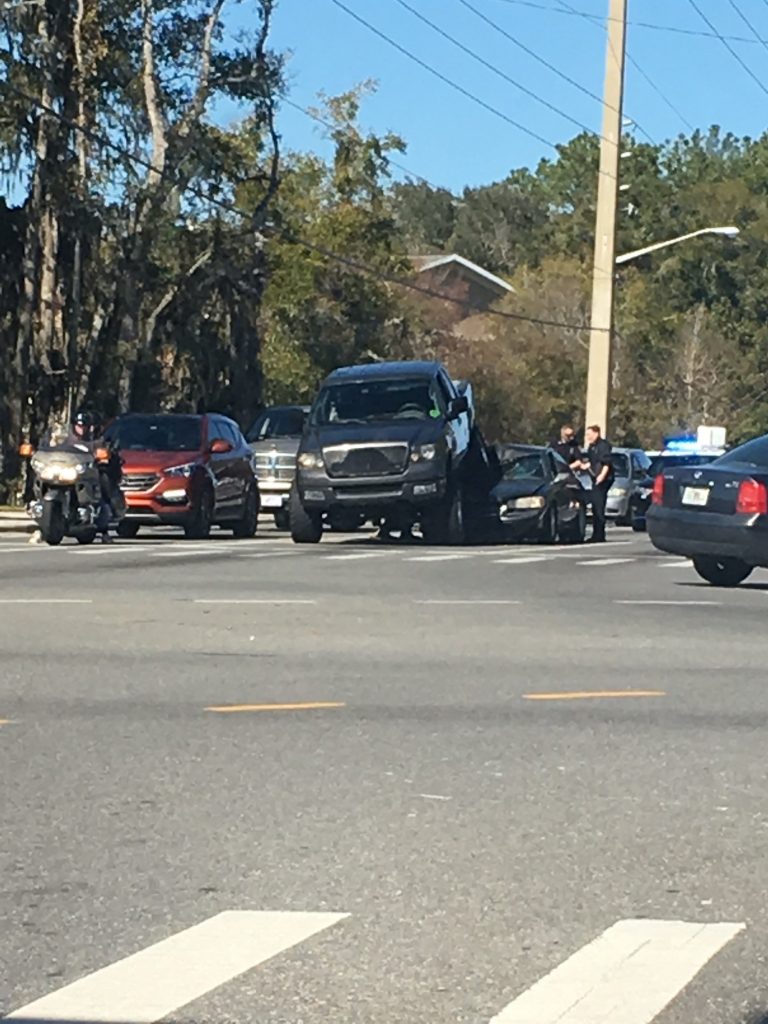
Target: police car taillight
{"points": [[657, 494], [752, 499]]}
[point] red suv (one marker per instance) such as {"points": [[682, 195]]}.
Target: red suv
{"points": [[188, 471]]}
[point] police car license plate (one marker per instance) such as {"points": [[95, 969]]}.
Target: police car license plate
{"points": [[695, 496], [271, 501]]}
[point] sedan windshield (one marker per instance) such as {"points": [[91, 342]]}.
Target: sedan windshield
{"points": [[525, 467], [662, 462], [364, 401], [157, 434]]}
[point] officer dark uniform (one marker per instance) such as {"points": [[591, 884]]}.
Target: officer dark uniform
{"points": [[566, 446], [601, 471]]}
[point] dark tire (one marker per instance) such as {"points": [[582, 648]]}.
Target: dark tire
{"points": [[306, 527], [127, 531], [638, 525], [575, 533], [722, 572], [444, 524], [246, 527], [549, 527], [200, 521], [282, 520], [87, 537], [52, 527]]}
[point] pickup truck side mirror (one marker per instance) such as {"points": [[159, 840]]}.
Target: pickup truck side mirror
{"points": [[221, 447], [458, 407]]}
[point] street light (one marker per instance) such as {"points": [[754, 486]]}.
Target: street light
{"points": [[726, 232]]}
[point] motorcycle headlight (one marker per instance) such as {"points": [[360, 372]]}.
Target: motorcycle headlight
{"points": [[186, 470], [310, 460], [424, 453]]}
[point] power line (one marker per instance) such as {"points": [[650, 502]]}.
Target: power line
{"points": [[394, 163], [566, 8], [492, 67], [660, 92], [748, 23], [104, 141], [599, 19], [728, 47], [541, 60], [444, 78]]}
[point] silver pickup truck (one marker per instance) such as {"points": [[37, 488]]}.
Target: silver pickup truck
{"points": [[274, 439]]}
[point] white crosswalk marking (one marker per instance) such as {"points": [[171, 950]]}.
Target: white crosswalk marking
{"points": [[628, 974], [158, 980]]}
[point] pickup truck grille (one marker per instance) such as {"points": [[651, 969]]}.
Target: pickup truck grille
{"points": [[274, 467], [139, 482], [383, 459]]}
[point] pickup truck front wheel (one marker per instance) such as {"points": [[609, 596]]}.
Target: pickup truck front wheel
{"points": [[306, 527], [444, 524]]}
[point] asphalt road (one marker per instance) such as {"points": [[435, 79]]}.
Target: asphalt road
{"points": [[474, 837]]}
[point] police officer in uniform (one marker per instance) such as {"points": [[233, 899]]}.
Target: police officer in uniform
{"points": [[600, 467], [567, 448]]}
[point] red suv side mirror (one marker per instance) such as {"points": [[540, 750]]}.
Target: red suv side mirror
{"points": [[221, 447]]}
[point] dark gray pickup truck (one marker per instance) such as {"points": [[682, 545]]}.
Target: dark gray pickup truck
{"points": [[386, 440]]}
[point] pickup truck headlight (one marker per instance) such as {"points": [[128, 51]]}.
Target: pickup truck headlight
{"points": [[310, 460], [424, 453]]}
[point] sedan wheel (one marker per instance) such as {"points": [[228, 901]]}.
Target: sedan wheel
{"points": [[722, 572], [246, 527], [548, 528]]}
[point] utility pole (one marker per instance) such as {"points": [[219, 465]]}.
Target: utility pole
{"points": [[601, 325]]}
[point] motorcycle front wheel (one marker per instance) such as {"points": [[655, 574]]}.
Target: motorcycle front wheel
{"points": [[52, 526]]}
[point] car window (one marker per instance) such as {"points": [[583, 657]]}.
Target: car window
{"points": [[272, 423], [157, 433], [640, 463], [753, 453], [621, 467], [561, 466], [529, 466], [446, 390]]}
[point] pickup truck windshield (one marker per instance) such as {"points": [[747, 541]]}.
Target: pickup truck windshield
{"points": [[400, 398]]}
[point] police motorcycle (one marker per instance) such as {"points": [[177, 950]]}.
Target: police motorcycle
{"points": [[68, 488]]}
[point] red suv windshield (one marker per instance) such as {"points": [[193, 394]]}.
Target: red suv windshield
{"points": [[158, 433]]}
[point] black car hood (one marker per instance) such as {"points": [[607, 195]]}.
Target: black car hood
{"points": [[508, 489], [410, 431]]}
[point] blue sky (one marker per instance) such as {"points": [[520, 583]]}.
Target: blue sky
{"points": [[451, 140]]}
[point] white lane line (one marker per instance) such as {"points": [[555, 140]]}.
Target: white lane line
{"points": [[685, 564], [355, 557], [46, 600], [521, 561], [606, 561], [628, 974], [683, 604], [271, 554], [112, 549], [254, 600], [468, 601], [153, 983], [436, 558]]}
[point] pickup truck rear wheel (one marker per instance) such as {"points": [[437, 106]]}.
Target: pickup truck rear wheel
{"points": [[306, 527], [444, 524]]}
